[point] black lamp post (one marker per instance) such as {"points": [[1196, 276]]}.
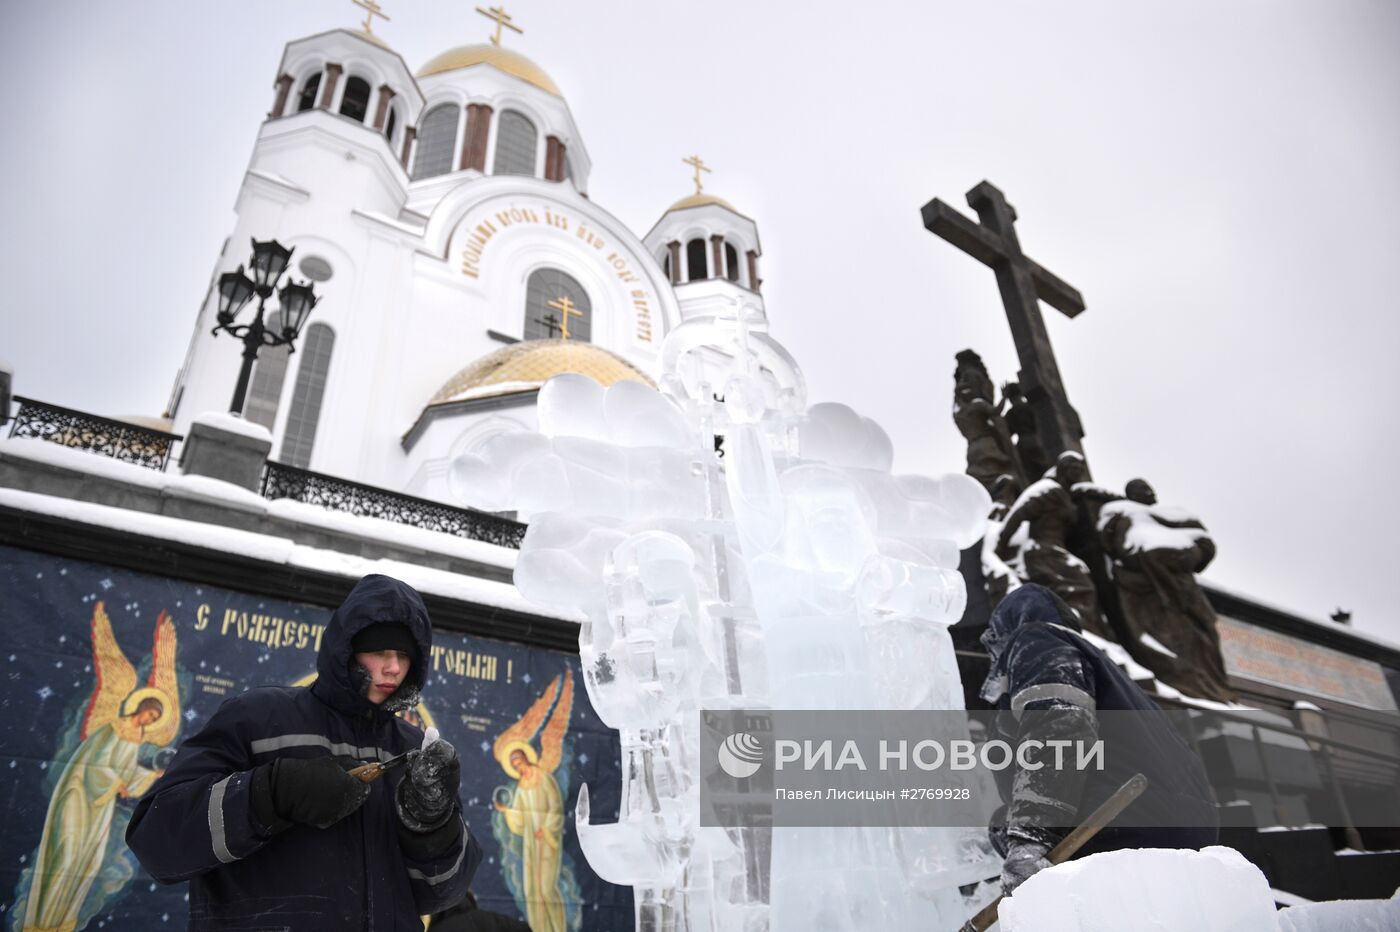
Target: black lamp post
{"points": [[270, 259]]}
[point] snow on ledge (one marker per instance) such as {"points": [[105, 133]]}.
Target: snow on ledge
{"points": [[204, 488], [407, 535], [38, 450], [233, 424], [282, 551]]}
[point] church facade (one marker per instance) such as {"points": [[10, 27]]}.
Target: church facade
{"points": [[443, 216]]}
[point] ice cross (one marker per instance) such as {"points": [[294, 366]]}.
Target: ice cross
{"points": [[372, 10], [1023, 283], [500, 17], [699, 166], [565, 307]]}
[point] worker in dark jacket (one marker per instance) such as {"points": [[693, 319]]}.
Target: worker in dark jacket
{"points": [[257, 810], [1050, 683]]}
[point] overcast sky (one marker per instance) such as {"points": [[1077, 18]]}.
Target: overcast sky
{"points": [[1219, 180]]}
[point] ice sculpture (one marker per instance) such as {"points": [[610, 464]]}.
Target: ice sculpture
{"points": [[733, 548]]}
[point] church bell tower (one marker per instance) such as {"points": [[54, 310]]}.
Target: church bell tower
{"points": [[709, 250]]}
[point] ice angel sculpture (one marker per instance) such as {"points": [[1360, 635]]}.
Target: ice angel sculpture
{"points": [[732, 548]]}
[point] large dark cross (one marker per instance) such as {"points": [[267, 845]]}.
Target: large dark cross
{"points": [[1024, 283]]}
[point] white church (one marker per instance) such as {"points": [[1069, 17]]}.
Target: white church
{"points": [[443, 217]]}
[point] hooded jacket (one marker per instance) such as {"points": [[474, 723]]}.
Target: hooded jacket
{"points": [[1051, 683], [204, 821]]}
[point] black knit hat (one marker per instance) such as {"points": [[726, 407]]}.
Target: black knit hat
{"points": [[385, 635]]}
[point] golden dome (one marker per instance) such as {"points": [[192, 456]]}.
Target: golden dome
{"points": [[700, 200], [512, 63], [530, 363]]}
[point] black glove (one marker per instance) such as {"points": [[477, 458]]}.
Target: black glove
{"points": [[315, 792], [427, 795], [1023, 859]]}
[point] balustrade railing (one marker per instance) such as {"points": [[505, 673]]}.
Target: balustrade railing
{"points": [[281, 481], [79, 430]]}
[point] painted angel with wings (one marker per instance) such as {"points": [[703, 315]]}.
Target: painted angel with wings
{"points": [[121, 716], [533, 810]]}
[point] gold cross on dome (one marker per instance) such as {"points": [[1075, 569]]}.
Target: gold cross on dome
{"points": [[565, 307], [372, 10], [500, 17], [699, 166]]}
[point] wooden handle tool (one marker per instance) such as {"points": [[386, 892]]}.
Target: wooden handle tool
{"points": [[1071, 843], [368, 773]]}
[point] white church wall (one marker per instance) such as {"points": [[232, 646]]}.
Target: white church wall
{"points": [[344, 164], [713, 296], [364, 313], [334, 295], [211, 371], [474, 228]]}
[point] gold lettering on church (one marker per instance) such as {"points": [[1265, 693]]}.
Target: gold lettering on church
{"points": [[589, 237], [617, 261], [619, 265], [639, 304], [471, 253]]}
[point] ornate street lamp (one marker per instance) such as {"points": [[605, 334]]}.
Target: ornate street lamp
{"points": [[270, 259]]}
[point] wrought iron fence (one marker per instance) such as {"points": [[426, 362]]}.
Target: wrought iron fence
{"points": [[280, 481], [82, 431]]}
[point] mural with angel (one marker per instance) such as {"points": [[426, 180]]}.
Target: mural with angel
{"points": [[121, 716], [529, 817]]}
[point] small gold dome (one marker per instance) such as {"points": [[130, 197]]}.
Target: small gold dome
{"points": [[530, 363], [512, 63], [700, 200]]}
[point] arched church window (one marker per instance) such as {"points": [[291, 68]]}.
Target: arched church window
{"points": [[390, 124], [355, 103], [307, 98], [515, 144], [269, 372], [731, 263], [300, 432], [437, 138], [556, 305], [695, 260]]}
